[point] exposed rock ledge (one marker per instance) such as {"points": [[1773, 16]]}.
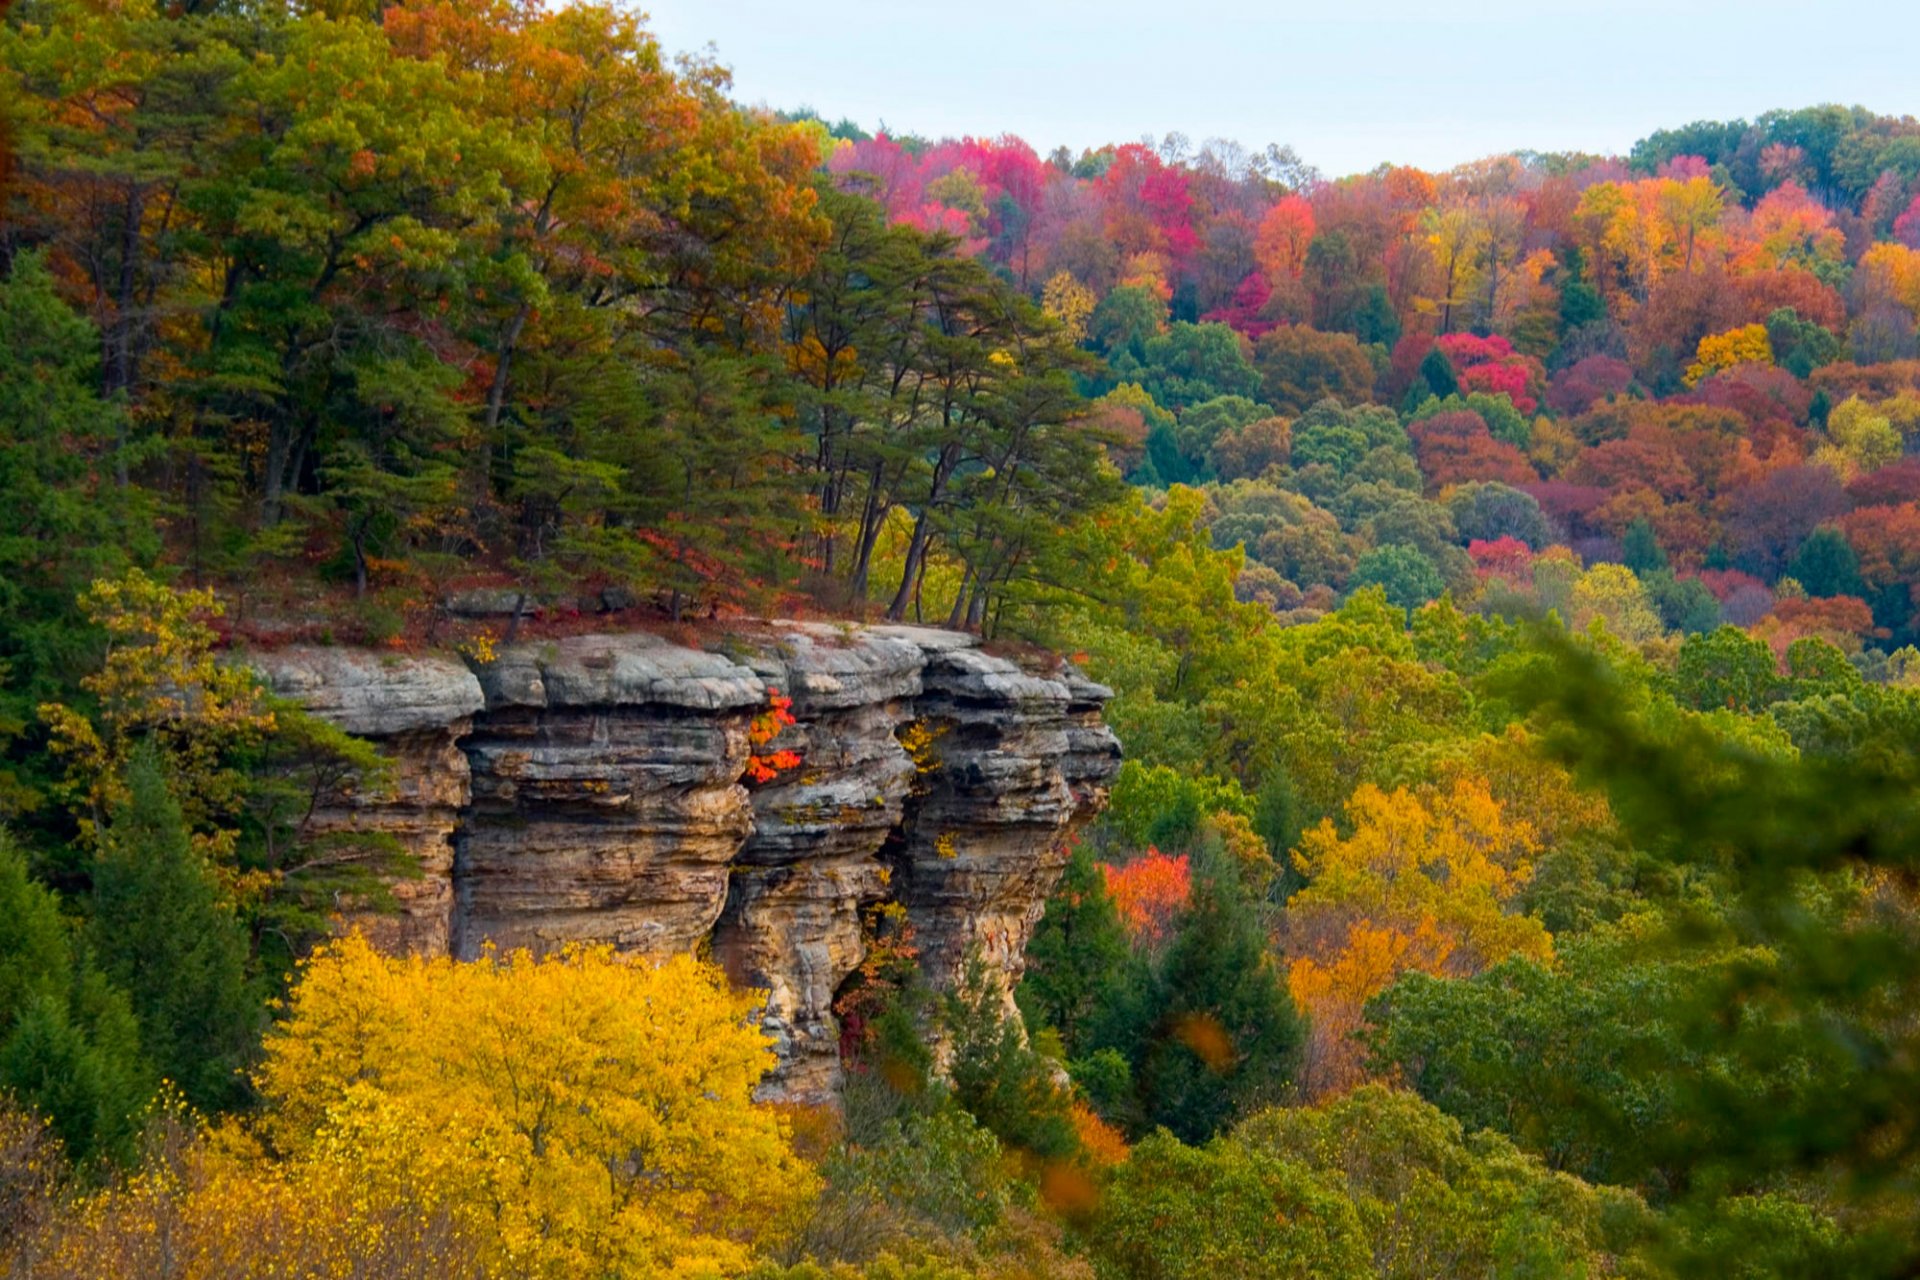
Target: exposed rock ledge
{"points": [[596, 788]]}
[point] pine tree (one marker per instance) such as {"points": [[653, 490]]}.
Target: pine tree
{"points": [[69, 1049], [161, 932], [1077, 955], [1212, 1032], [1641, 549]]}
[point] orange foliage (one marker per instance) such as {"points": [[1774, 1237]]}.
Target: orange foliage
{"points": [[1149, 893], [765, 766]]}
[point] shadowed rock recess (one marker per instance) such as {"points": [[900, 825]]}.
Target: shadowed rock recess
{"points": [[598, 789]]}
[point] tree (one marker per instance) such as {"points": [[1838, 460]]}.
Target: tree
{"points": [[160, 932], [1180, 1213], [1076, 955], [1490, 511], [1248, 452], [1435, 1200], [1826, 566], [611, 1099], [1421, 884], [1208, 1026], [69, 1045], [1299, 367], [1641, 551], [66, 520], [1191, 363], [1408, 577]]}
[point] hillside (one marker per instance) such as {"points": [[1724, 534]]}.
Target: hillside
{"points": [[554, 631]]}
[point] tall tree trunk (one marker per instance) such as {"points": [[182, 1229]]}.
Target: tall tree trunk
{"points": [[916, 556], [497, 394], [958, 614]]}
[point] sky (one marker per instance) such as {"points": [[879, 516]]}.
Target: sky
{"points": [[1348, 83]]}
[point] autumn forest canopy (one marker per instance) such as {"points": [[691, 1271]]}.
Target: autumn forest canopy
{"points": [[1508, 579]]}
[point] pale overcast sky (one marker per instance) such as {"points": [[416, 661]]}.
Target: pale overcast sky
{"points": [[1349, 83]]}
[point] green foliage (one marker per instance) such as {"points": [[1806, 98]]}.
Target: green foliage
{"points": [[66, 519], [997, 1077], [1726, 668], [1193, 363], [1641, 550], [1826, 565], [69, 1045], [160, 931], [1434, 1200], [1407, 577], [1175, 1212], [1076, 955], [1208, 1026]]}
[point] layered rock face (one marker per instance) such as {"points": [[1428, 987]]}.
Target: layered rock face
{"points": [[600, 789]]}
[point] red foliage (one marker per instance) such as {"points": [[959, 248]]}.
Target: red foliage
{"points": [[1887, 540], [765, 766], [1490, 364], [1906, 227], [1765, 292], [1456, 446], [1245, 310], [1503, 557], [1569, 505], [1724, 582], [1889, 486], [1577, 388], [1149, 893]]}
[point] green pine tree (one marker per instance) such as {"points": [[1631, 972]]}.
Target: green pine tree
{"points": [[69, 1047], [1212, 1031], [1077, 955], [160, 931]]}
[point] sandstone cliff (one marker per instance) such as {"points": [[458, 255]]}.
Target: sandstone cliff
{"points": [[597, 788]]}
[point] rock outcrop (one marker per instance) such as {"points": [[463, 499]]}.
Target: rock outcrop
{"points": [[600, 789]]}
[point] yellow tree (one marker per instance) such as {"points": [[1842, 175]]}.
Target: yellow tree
{"points": [[1891, 271], [1692, 208], [1422, 883], [586, 1114], [160, 684], [1457, 241], [1748, 344], [1068, 301]]}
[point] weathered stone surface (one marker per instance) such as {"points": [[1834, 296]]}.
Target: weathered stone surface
{"points": [[982, 848], [607, 801], [415, 710], [792, 919], [596, 789], [632, 669], [374, 695]]}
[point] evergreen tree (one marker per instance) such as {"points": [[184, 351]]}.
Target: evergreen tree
{"points": [[1641, 550], [1211, 1031], [161, 932], [64, 521], [69, 1048], [1437, 372], [1826, 566], [1077, 954]]}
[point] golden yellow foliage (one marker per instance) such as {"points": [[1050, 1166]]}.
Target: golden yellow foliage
{"points": [[584, 1114], [160, 683], [1068, 301], [1421, 884], [1892, 271], [1748, 344]]}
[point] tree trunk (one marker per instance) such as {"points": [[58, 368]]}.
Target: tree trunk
{"points": [[916, 556]]}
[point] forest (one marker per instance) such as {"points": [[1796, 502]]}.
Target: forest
{"points": [[1506, 576]]}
